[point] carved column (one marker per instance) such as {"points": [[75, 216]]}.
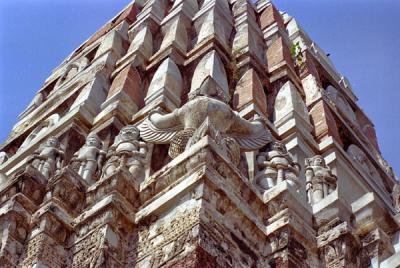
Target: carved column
{"points": [[46, 242], [104, 230], [338, 247], [19, 200], [193, 215], [376, 246], [374, 227], [289, 242], [337, 241], [52, 223], [14, 224]]}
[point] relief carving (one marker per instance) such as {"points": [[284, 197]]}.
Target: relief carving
{"points": [[396, 197], [279, 240], [340, 253], [40, 130], [176, 235], [359, 156], [68, 188], [89, 159], [206, 111], [276, 165], [72, 69], [44, 249], [231, 196], [3, 157], [36, 102], [361, 159], [128, 151], [48, 158], [319, 178]]}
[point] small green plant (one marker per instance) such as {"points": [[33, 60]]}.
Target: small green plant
{"points": [[295, 49], [297, 55]]}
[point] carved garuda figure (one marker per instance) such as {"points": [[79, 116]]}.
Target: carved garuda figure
{"points": [[89, 159], [127, 150], [206, 113], [48, 158], [319, 178], [276, 166]]}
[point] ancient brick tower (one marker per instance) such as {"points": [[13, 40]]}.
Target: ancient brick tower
{"points": [[197, 133]]}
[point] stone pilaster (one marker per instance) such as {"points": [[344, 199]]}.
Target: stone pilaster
{"points": [[339, 247], [289, 227]]}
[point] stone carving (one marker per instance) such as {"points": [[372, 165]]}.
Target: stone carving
{"points": [[343, 105], [72, 69], [127, 151], [42, 248], [386, 167], [48, 158], [99, 258], [90, 158], [3, 157], [177, 232], [41, 129], [340, 253], [206, 109], [279, 240], [319, 178], [229, 198], [396, 197], [210, 67], [3, 178], [276, 166], [362, 160], [36, 102]]}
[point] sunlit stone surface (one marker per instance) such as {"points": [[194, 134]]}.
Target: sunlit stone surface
{"points": [[197, 133]]}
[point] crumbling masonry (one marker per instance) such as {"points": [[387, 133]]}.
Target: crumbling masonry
{"points": [[197, 133]]}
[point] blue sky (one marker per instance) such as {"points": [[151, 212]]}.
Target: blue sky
{"points": [[362, 36]]}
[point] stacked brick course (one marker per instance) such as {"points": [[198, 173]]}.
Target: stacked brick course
{"points": [[197, 133]]}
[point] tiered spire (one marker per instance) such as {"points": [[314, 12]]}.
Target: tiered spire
{"points": [[197, 133]]}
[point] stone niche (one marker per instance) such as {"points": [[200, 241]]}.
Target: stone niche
{"points": [[342, 105]]}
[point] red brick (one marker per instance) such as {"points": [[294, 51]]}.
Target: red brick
{"points": [[323, 122], [278, 52], [199, 258], [250, 90], [128, 80], [269, 16], [129, 15]]}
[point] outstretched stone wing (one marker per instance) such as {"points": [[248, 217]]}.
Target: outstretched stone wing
{"points": [[250, 135], [150, 133]]}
